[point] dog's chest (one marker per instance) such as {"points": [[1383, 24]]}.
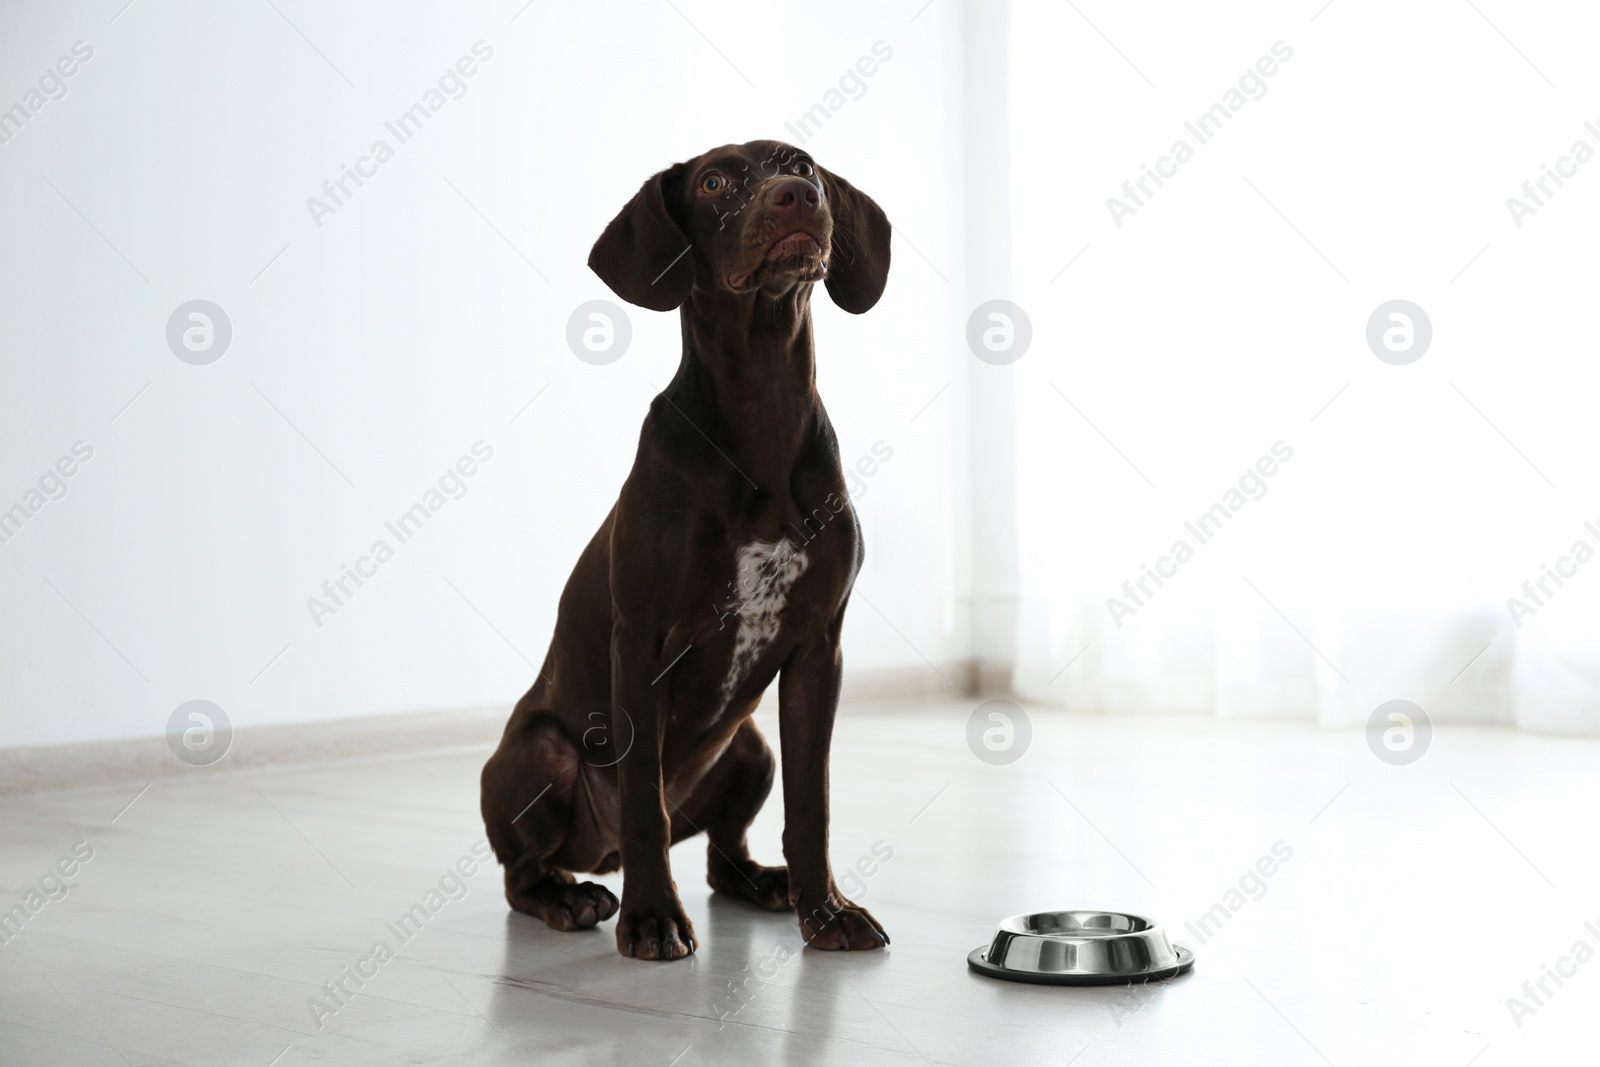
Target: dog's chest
{"points": [[764, 575]]}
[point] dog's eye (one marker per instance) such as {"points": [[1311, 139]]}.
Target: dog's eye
{"points": [[803, 169], [713, 183]]}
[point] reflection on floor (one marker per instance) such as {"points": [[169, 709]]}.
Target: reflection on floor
{"points": [[1404, 907]]}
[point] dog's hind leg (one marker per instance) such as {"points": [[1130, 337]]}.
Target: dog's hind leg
{"points": [[528, 787], [724, 805]]}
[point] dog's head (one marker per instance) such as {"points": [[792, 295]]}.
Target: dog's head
{"points": [[744, 218]]}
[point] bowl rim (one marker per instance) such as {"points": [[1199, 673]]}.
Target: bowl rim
{"points": [[977, 961], [1149, 925]]}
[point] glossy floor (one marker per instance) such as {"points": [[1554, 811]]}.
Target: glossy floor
{"points": [[1403, 907]]}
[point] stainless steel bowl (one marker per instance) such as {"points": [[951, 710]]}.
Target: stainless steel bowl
{"points": [[1080, 948]]}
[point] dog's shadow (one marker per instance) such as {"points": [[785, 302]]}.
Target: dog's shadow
{"points": [[810, 989], [565, 983]]}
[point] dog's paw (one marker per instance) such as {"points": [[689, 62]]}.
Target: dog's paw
{"points": [[657, 930], [568, 906], [837, 925], [765, 887]]}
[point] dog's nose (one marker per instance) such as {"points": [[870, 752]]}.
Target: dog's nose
{"points": [[793, 194]]}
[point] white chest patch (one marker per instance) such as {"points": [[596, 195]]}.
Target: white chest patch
{"points": [[763, 574]]}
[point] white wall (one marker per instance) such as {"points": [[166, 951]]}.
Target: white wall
{"points": [[406, 328]]}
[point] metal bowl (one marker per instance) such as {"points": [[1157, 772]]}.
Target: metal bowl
{"points": [[1080, 948]]}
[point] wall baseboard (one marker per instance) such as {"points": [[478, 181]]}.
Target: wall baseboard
{"points": [[135, 761], [956, 680]]}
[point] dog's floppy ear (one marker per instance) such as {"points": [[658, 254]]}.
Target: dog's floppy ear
{"points": [[643, 254], [858, 263]]}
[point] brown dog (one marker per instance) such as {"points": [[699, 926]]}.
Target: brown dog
{"points": [[727, 559]]}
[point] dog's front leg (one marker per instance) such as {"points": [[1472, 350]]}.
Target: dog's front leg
{"points": [[808, 697], [651, 923]]}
